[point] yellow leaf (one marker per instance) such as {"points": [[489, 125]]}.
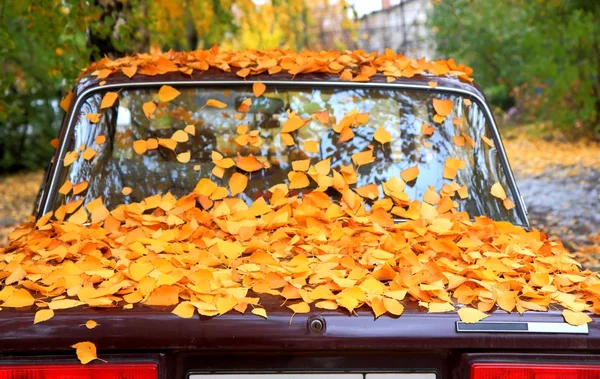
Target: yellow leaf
{"points": [[184, 310], [498, 191], [86, 352], [260, 312], [300, 307], [91, 324], [576, 318], [311, 146], [167, 93], [180, 136], [184, 157], [237, 183], [64, 304], [18, 299], [440, 307], [471, 315], [382, 136], [393, 306], [43, 315]]}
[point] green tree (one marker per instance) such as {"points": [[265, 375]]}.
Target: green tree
{"points": [[547, 49], [45, 44]]}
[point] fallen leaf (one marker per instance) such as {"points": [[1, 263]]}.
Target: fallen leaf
{"points": [[184, 157], [237, 183], [215, 103], [43, 315], [149, 108], [167, 93], [382, 136], [498, 191], [576, 318], [108, 100], [93, 117], [442, 107], [91, 324], [258, 88], [86, 352], [471, 315]]}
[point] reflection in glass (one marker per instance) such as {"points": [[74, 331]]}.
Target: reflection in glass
{"points": [[401, 112]]}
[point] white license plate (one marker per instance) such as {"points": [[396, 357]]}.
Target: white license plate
{"points": [[315, 376]]}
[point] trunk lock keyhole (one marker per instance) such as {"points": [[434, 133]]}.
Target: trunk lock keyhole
{"points": [[315, 325]]}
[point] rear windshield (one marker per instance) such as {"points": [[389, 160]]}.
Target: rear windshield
{"points": [[210, 133]]}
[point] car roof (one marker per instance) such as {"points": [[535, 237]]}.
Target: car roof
{"points": [[88, 82]]}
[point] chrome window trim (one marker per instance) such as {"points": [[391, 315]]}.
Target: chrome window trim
{"points": [[520, 205]]}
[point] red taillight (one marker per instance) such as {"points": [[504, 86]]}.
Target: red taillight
{"points": [[78, 371], [533, 371]]}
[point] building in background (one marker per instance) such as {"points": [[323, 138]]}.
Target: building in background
{"points": [[401, 27]]}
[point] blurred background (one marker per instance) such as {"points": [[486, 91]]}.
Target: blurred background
{"points": [[537, 61]]}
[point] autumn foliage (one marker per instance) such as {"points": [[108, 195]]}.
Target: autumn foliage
{"points": [[211, 253]]}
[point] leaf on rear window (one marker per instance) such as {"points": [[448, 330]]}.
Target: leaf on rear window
{"points": [[215, 103], [258, 88], [167, 93], [108, 100]]}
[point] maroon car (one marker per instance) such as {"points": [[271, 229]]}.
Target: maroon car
{"points": [[150, 342]]}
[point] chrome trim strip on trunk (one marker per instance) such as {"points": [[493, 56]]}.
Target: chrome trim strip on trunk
{"points": [[520, 205], [521, 327]]}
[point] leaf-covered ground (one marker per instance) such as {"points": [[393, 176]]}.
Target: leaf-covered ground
{"points": [[558, 179], [17, 195]]}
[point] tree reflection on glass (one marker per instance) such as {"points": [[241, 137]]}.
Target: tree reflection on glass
{"points": [[401, 112]]}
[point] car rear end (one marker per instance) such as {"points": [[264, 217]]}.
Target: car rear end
{"points": [[150, 342]]}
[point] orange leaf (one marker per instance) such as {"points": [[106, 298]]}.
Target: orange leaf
{"points": [[258, 88], [215, 103], [93, 117], [149, 109], [129, 71], [237, 183], [249, 163], [410, 174], [66, 101], [167, 93], [108, 100], [140, 146], [363, 158], [442, 107]]}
